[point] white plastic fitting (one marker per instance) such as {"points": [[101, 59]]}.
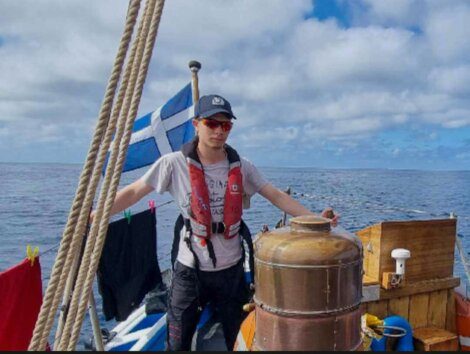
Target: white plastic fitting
{"points": [[400, 255]]}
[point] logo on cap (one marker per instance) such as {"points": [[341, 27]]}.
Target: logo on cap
{"points": [[218, 101]]}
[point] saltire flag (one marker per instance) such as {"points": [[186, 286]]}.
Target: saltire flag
{"points": [[160, 132]]}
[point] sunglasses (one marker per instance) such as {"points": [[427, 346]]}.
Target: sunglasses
{"points": [[213, 124]]}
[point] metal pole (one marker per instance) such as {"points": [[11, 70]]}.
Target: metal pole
{"points": [[195, 66], [69, 286], [461, 252], [95, 323], [66, 299], [284, 214]]}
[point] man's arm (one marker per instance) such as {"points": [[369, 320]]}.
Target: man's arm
{"points": [[128, 196], [286, 203]]}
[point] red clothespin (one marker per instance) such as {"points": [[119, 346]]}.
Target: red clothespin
{"points": [[152, 205]]}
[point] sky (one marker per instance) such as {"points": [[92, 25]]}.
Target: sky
{"points": [[323, 83]]}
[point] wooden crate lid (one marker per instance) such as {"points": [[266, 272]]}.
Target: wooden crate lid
{"points": [[433, 335], [431, 242]]}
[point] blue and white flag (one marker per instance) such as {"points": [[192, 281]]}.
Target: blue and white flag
{"points": [[162, 131]]}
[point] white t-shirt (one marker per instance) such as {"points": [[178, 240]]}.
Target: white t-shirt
{"points": [[170, 174]]}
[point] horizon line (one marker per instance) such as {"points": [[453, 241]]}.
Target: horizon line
{"points": [[263, 166]]}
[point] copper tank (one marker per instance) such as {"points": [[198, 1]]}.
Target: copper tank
{"points": [[308, 287]]}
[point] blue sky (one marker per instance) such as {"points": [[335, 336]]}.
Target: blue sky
{"points": [[324, 10], [323, 83]]}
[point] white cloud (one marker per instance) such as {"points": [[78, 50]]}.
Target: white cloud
{"points": [[451, 79], [291, 81], [447, 31], [359, 57], [390, 13]]}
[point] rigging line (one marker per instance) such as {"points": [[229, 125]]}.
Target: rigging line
{"points": [[395, 208], [49, 249], [166, 203], [58, 244]]}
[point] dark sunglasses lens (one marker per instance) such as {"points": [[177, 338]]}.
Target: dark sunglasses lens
{"points": [[226, 126], [213, 124]]}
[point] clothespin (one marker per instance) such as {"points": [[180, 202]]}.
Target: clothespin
{"points": [[128, 215], [31, 255], [152, 205]]}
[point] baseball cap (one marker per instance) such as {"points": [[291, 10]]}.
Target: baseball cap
{"points": [[212, 104]]}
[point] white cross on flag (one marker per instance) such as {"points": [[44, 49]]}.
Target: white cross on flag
{"points": [[161, 132]]}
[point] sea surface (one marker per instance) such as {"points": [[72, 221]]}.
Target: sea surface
{"points": [[35, 200]]}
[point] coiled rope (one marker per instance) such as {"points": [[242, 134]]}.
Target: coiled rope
{"points": [[124, 111]]}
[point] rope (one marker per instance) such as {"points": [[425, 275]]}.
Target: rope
{"points": [[52, 248], [114, 169], [71, 259], [43, 324], [49, 250], [130, 93], [123, 92], [118, 113]]}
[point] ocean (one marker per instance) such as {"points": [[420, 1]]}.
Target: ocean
{"points": [[35, 200]]}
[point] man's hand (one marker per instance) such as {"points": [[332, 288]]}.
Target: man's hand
{"points": [[91, 217], [330, 214], [127, 197]]}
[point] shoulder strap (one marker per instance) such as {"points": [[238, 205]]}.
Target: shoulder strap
{"points": [[232, 154], [189, 150], [245, 235], [176, 240]]}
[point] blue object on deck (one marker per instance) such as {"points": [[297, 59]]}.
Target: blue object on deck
{"points": [[148, 321], [404, 344], [157, 341]]}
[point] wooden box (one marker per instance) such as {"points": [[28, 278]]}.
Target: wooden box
{"points": [[430, 339], [431, 243]]}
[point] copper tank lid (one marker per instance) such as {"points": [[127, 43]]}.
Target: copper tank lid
{"points": [[309, 240]]}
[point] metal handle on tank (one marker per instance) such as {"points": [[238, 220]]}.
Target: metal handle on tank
{"points": [[310, 223]]}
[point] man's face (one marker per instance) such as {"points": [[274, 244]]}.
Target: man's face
{"points": [[213, 131]]}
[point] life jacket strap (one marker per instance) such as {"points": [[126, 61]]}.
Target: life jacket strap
{"points": [[245, 236], [218, 228], [200, 230], [210, 248]]}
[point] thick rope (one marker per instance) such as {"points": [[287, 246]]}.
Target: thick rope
{"points": [[41, 330], [108, 194], [77, 238], [126, 92], [123, 91], [115, 177]]}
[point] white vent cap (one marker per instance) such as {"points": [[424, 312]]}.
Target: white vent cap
{"points": [[401, 253]]}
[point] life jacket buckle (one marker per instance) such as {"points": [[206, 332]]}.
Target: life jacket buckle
{"points": [[218, 228]]}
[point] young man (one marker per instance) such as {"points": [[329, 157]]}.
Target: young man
{"points": [[210, 184]]}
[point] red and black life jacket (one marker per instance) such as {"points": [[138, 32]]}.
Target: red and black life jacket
{"points": [[200, 222], [200, 211]]}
